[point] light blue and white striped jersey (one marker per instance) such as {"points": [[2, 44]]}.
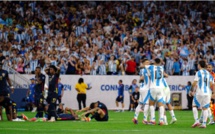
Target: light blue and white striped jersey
{"points": [[156, 76], [203, 78], [145, 85]]}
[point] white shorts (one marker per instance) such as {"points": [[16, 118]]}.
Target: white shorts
{"points": [[144, 97], [202, 101], [157, 94], [167, 97]]}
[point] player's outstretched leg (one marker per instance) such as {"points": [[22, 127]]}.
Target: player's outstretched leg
{"points": [[195, 115], [205, 116], [171, 113], [145, 114]]}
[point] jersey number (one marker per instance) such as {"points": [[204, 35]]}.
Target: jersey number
{"points": [[206, 81], [158, 74]]}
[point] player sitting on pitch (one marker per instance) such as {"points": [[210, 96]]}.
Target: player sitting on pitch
{"points": [[98, 111]]}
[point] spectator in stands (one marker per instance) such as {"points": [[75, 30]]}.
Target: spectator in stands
{"points": [[176, 67], [131, 66]]}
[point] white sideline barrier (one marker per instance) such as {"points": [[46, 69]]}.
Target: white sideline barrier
{"points": [[104, 88]]}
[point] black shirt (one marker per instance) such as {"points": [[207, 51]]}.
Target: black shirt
{"points": [[103, 107], [53, 83], [59, 111], [39, 87], [136, 95], [3, 80], [6, 102]]}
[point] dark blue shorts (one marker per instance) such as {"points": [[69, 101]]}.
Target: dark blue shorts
{"points": [[105, 118], [120, 99]]}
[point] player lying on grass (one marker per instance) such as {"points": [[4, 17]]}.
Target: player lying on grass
{"points": [[62, 115], [98, 111]]}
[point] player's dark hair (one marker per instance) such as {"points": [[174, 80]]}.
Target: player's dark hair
{"points": [[202, 63], [92, 105], [157, 61], [189, 83], [38, 67], [120, 81], [53, 67], [144, 60], [81, 80]]}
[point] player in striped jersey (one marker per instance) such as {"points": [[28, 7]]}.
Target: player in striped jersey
{"points": [[144, 94], [156, 73], [167, 99], [204, 81]]}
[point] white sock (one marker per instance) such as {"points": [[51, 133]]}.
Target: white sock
{"points": [[146, 112], [205, 116], [210, 115], [161, 109], [201, 116], [152, 111], [172, 114], [195, 114], [165, 119], [137, 111]]}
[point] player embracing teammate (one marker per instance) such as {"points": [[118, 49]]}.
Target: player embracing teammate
{"points": [[153, 87]]}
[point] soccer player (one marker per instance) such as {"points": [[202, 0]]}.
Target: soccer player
{"points": [[31, 92], [167, 102], [7, 104], [39, 91], [98, 110], [54, 74], [120, 97], [156, 73], [211, 121], [66, 114], [144, 94], [4, 79], [204, 81], [60, 91]]}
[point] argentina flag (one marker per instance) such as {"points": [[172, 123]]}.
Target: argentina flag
{"points": [[184, 52]]}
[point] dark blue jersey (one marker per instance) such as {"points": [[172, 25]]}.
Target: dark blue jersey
{"points": [[39, 87], [6, 102], [121, 90], [3, 80], [53, 83], [103, 107], [60, 88]]}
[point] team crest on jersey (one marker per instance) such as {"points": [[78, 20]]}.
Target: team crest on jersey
{"points": [[3, 74]]}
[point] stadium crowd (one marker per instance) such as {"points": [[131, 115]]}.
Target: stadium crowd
{"points": [[106, 38]]}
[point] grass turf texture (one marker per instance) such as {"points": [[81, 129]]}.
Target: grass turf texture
{"points": [[119, 123]]}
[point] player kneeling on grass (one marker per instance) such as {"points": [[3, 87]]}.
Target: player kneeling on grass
{"points": [[11, 110], [98, 111]]}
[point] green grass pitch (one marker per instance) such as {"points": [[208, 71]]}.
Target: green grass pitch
{"points": [[119, 123]]}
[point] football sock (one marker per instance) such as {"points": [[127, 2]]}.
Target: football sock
{"points": [[195, 114], [210, 115], [161, 108], [205, 116], [165, 119], [137, 111], [152, 111], [172, 114], [145, 112]]}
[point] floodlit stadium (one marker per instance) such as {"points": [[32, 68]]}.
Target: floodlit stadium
{"points": [[107, 66]]}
